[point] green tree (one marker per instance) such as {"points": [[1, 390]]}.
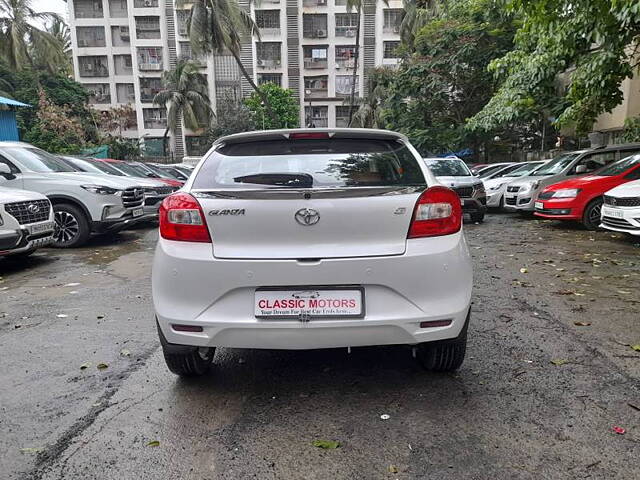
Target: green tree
{"points": [[368, 113], [444, 81], [284, 106], [583, 49], [185, 96], [232, 116], [218, 26], [20, 39]]}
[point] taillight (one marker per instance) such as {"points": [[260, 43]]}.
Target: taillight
{"points": [[182, 219], [437, 212]]}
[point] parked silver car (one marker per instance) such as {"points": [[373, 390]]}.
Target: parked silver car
{"points": [[455, 174]]}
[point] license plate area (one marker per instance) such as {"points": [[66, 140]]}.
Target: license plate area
{"points": [[308, 303], [137, 212], [539, 206], [612, 212], [43, 227]]}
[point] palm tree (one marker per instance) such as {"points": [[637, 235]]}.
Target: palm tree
{"points": [[369, 111], [216, 26], [185, 97], [417, 14], [19, 38]]}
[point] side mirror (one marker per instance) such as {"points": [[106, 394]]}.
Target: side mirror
{"points": [[5, 171], [151, 175], [581, 169]]}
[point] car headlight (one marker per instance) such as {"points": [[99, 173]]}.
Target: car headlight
{"points": [[566, 193], [527, 187], [496, 187], [101, 190], [479, 187], [1, 221]]}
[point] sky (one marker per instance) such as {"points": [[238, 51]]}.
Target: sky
{"points": [[57, 6]]}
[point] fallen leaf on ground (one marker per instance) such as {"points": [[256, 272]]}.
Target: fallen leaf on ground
{"points": [[153, 443], [635, 407], [393, 469], [74, 284], [102, 366], [85, 365], [559, 361], [523, 270], [31, 450], [582, 324], [564, 292], [125, 353], [326, 444], [99, 317], [636, 347], [385, 416], [619, 430], [62, 315]]}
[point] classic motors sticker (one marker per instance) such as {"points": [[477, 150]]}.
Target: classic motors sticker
{"points": [[312, 303]]}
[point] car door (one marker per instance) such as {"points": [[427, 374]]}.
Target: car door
{"points": [[590, 162], [5, 180]]}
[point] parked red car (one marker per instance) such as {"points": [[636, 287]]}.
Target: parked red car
{"points": [[580, 199], [130, 169]]}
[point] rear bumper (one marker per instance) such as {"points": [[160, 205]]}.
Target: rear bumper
{"points": [[431, 281]]}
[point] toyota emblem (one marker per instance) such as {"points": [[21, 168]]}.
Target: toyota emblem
{"points": [[33, 208], [307, 217]]}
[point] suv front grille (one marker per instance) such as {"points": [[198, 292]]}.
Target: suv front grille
{"points": [[133, 197], [513, 189], [464, 192], [29, 212], [510, 201], [622, 201]]}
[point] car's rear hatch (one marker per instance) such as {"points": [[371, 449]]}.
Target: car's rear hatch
{"points": [[309, 198]]}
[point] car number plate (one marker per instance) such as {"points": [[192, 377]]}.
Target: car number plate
{"points": [[43, 227], [539, 206], [137, 212], [611, 212], [309, 303]]}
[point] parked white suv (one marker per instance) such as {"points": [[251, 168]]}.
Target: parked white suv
{"points": [[82, 203], [621, 209], [26, 222], [305, 239]]}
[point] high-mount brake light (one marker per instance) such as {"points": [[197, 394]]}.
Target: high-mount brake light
{"points": [[438, 212], [309, 136], [182, 219]]}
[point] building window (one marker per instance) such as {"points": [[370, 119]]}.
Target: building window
{"points": [[268, 54], [197, 146], [154, 118], [149, 87], [145, 3], [90, 37], [342, 115], [117, 8], [346, 57], [343, 85], [150, 59], [268, 21], [346, 25], [314, 3], [148, 28], [120, 36], [389, 49], [316, 87], [315, 57], [98, 93], [340, 3], [392, 20], [314, 25], [270, 78], [316, 116], [183, 22], [123, 64], [88, 9], [126, 93], [94, 66]]}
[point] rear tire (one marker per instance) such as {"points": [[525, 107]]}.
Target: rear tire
{"points": [[477, 217], [444, 356], [72, 228], [193, 363], [591, 215]]}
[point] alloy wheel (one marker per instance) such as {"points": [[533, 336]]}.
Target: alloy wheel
{"points": [[66, 228], [594, 214]]}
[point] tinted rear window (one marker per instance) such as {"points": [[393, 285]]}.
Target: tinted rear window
{"points": [[311, 164]]}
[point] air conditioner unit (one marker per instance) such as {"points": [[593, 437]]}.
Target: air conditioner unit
{"points": [[261, 63], [350, 33], [396, 29], [148, 3], [321, 33]]}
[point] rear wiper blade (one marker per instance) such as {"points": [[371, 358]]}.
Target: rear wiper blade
{"points": [[300, 180]]}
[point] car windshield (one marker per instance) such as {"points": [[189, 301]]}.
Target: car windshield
{"points": [[105, 168], [131, 170], [305, 163], [486, 171], [38, 160], [620, 166], [524, 170], [156, 171], [556, 165], [448, 167], [83, 165]]}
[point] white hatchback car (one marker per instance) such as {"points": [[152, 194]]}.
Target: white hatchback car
{"points": [[305, 239], [621, 209]]}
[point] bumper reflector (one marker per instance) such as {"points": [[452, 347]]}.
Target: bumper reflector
{"points": [[435, 323], [186, 328]]}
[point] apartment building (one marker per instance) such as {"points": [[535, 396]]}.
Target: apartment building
{"points": [[121, 48]]}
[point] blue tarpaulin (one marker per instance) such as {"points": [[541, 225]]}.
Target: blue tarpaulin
{"points": [[8, 123], [12, 103]]}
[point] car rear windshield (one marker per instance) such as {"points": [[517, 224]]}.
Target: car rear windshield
{"points": [[448, 167], [620, 166], [310, 163], [557, 165]]}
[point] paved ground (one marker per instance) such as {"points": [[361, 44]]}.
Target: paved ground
{"points": [[508, 413]]}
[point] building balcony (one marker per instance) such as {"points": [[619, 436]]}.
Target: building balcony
{"points": [[346, 63], [93, 70], [88, 9], [145, 3], [268, 63], [314, 3], [315, 93], [315, 63], [270, 32], [347, 32], [150, 66], [155, 124]]}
